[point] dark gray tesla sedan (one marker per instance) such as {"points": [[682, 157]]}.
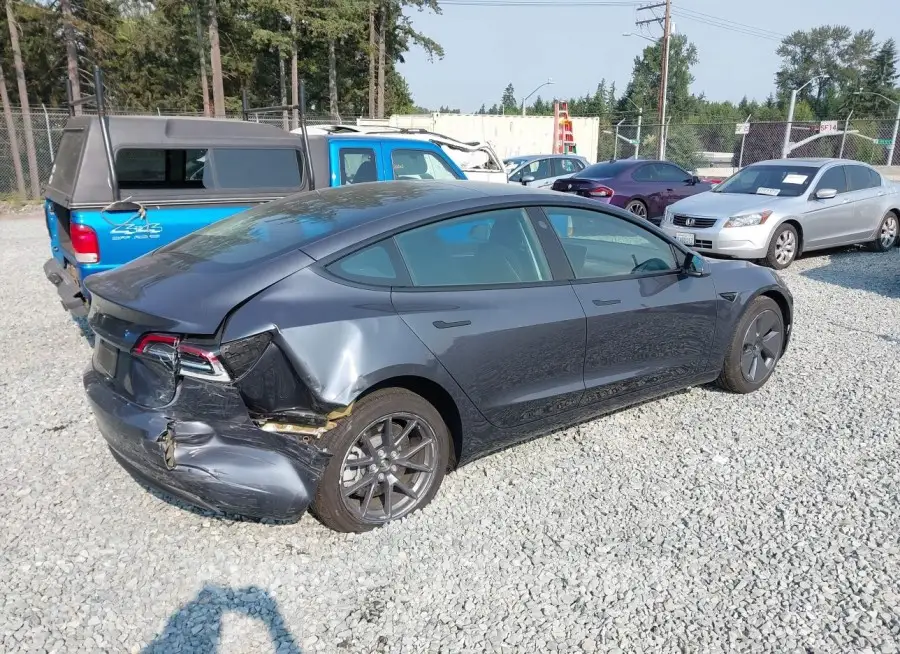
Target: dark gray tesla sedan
{"points": [[340, 350]]}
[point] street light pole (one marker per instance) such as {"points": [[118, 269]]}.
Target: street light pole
{"points": [[790, 120], [890, 159], [525, 99]]}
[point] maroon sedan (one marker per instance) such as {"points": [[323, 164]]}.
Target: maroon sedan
{"points": [[645, 188]]}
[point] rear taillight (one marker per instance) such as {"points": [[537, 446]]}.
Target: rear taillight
{"points": [[84, 243], [229, 362], [600, 192], [187, 360]]}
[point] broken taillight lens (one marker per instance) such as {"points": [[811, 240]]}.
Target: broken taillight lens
{"points": [[187, 360]]}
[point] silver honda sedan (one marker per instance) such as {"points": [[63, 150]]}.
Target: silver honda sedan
{"points": [[774, 210]]}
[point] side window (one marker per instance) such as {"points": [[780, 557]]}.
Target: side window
{"points": [[371, 265], [858, 178], [834, 178], [420, 164], [138, 168], [518, 175], [645, 173], [247, 168], [357, 165], [874, 178], [490, 248], [564, 167], [670, 173], [600, 245]]}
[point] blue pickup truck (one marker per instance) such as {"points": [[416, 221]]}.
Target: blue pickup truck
{"points": [[117, 193]]}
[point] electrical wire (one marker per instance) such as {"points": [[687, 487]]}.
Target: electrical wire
{"points": [[539, 3], [726, 20], [731, 26]]}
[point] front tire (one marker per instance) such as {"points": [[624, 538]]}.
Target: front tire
{"points": [[389, 457], [888, 233], [755, 348], [782, 248]]}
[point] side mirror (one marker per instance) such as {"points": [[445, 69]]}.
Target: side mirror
{"points": [[693, 179], [527, 179], [695, 266], [826, 193]]}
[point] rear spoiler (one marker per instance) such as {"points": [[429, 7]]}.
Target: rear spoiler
{"points": [[307, 162], [99, 99]]}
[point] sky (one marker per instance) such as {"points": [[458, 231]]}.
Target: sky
{"points": [[488, 47]]}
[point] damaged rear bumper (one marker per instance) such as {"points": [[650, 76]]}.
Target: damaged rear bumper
{"points": [[201, 449], [70, 295]]}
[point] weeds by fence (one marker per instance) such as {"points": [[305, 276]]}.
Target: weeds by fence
{"points": [[691, 145]]}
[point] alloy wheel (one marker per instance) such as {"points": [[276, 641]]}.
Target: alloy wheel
{"points": [[761, 347], [390, 468], [888, 231], [785, 247], [637, 208]]}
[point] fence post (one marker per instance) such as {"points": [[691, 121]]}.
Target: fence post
{"points": [[743, 141], [844, 135], [637, 146], [49, 137], [616, 139]]}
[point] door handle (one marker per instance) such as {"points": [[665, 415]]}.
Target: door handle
{"points": [[440, 324], [606, 303]]}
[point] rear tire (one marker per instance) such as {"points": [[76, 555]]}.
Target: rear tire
{"points": [[370, 481], [638, 208], [888, 233], [783, 248], [755, 348]]}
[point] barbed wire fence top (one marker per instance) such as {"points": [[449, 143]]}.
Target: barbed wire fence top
{"points": [[693, 145]]}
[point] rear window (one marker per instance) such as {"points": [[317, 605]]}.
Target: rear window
{"points": [[605, 170], [274, 228], [65, 166]]}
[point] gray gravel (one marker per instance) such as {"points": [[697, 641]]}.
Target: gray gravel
{"points": [[702, 522]]}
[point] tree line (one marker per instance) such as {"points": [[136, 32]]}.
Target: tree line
{"points": [[852, 72]]}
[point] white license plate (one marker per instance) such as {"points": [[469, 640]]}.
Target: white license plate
{"points": [[684, 237]]}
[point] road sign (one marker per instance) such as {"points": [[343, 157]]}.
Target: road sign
{"points": [[633, 141], [828, 126], [885, 142], [742, 128]]}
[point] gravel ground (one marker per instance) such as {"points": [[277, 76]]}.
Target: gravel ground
{"points": [[702, 522]]}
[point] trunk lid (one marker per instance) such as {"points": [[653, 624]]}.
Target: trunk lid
{"points": [[178, 292], [577, 185]]}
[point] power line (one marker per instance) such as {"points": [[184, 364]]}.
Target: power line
{"points": [[539, 3], [732, 22], [733, 27]]}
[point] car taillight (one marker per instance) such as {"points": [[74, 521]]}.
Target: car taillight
{"points": [[84, 243], [187, 360], [600, 192]]}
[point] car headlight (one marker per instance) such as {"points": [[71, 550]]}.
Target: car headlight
{"points": [[668, 216], [749, 219]]}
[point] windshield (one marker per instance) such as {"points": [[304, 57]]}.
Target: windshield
{"points": [[782, 180], [605, 170], [515, 161]]}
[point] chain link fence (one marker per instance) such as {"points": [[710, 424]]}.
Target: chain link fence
{"points": [[47, 130], [729, 146], [706, 147]]}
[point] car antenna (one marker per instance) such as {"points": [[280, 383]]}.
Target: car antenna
{"points": [[246, 111], [99, 99]]}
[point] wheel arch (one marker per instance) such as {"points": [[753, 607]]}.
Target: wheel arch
{"points": [[786, 311], [438, 396], [795, 223]]}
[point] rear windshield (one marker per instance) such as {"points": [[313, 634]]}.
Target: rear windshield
{"points": [[65, 166], [605, 170], [271, 229], [777, 180]]}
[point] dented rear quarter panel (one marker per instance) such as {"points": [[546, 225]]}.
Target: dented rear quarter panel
{"points": [[343, 340]]}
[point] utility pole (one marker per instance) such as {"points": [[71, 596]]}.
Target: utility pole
{"points": [[666, 22]]}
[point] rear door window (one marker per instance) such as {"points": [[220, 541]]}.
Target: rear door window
{"points": [[247, 168], [565, 167], [858, 178], [358, 165], [420, 164]]}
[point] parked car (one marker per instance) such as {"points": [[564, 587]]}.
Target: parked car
{"points": [[542, 170], [343, 349], [643, 187], [180, 174], [775, 210]]}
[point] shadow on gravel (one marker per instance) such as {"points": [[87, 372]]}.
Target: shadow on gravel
{"points": [[196, 627], [859, 270], [86, 330]]}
